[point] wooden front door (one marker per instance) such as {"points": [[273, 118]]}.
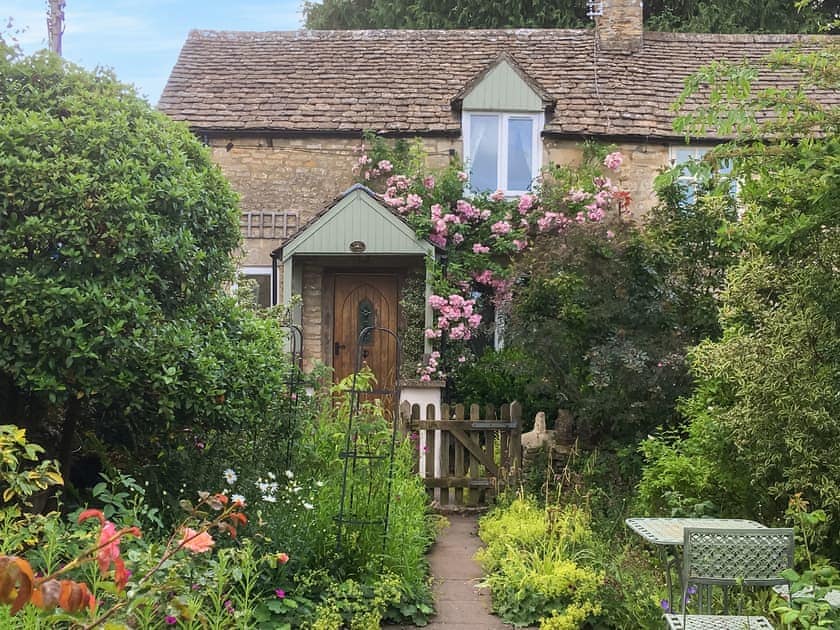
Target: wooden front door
{"points": [[362, 301]]}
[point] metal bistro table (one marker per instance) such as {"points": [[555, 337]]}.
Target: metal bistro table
{"points": [[667, 535]]}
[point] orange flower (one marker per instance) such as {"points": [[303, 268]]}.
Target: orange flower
{"points": [[282, 557], [196, 542]]}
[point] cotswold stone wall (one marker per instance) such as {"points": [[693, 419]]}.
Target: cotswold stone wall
{"points": [[283, 183], [642, 162]]}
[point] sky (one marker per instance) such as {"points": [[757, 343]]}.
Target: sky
{"points": [[140, 39]]}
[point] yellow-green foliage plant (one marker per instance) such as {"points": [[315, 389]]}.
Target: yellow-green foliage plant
{"points": [[534, 564]]}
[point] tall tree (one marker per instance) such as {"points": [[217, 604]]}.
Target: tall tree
{"points": [[116, 236], [719, 16]]}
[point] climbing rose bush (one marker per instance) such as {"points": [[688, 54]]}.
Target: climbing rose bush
{"points": [[478, 234]]}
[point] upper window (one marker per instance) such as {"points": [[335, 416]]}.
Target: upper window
{"points": [[689, 176], [502, 151]]}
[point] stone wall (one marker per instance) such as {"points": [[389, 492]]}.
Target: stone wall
{"points": [[642, 163], [284, 182]]}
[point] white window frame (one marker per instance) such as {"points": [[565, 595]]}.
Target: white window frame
{"points": [[538, 120], [697, 153], [252, 271]]}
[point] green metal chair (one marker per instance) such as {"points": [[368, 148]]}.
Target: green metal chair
{"points": [[730, 558]]}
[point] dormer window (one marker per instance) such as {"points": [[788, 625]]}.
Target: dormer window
{"points": [[502, 118], [502, 150]]}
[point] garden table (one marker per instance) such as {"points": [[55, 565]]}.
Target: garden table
{"points": [[668, 535]]}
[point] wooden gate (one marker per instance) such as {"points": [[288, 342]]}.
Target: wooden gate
{"points": [[466, 461]]}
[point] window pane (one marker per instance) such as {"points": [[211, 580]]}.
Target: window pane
{"points": [[262, 292], [484, 152], [520, 153]]}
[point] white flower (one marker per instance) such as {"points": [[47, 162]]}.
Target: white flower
{"points": [[296, 489], [238, 499], [271, 476], [269, 498], [262, 486], [230, 476], [308, 506], [320, 484], [290, 474]]}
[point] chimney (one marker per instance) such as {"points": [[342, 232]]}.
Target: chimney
{"points": [[619, 25]]}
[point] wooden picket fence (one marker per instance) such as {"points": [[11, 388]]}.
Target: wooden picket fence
{"points": [[465, 461]]}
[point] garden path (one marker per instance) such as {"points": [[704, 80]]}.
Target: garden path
{"points": [[461, 605]]}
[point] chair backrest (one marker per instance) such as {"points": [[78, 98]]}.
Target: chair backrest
{"points": [[752, 557]]}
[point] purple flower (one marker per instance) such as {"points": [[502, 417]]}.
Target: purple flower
{"points": [[229, 606], [170, 620], [666, 605], [280, 593]]}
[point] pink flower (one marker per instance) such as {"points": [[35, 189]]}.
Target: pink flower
{"points": [[500, 228], [110, 551], [458, 238], [195, 542], [436, 211], [425, 378], [499, 195], [526, 202], [280, 593], [413, 201], [385, 166], [429, 182], [577, 195], [436, 302], [431, 333], [484, 214], [169, 620], [474, 320], [478, 248], [520, 245], [462, 176], [282, 557], [610, 234], [462, 359], [484, 277], [613, 161]]}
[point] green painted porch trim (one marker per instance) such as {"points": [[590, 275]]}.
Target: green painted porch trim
{"points": [[357, 216]]}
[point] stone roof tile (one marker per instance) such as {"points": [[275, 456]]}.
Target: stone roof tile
{"points": [[353, 81]]}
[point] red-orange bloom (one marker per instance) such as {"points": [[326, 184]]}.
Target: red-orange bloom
{"points": [[109, 546], [196, 542]]}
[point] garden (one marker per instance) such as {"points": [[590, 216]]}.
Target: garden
{"points": [[165, 462]]}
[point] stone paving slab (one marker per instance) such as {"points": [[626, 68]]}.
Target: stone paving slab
{"points": [[460, 604]]}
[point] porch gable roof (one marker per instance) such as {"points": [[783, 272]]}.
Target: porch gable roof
{"points": [[357, 216]]}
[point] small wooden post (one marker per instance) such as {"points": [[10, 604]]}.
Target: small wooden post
{"points": [[490, 449], [446, 496], [431, 452], [474, 493], [404, 419], [516, 438], [460, 471], [504, 438]]}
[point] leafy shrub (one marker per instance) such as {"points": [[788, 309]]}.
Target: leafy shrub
{"points": [[611, 348], [531, 565]]}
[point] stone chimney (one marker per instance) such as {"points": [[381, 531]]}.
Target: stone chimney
{"points": [[619, 27]]}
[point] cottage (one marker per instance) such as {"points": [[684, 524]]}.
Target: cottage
{"points": [[283, 112]]}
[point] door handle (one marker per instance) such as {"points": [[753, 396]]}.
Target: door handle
{"points": [[337, 348], [365, 354]]}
